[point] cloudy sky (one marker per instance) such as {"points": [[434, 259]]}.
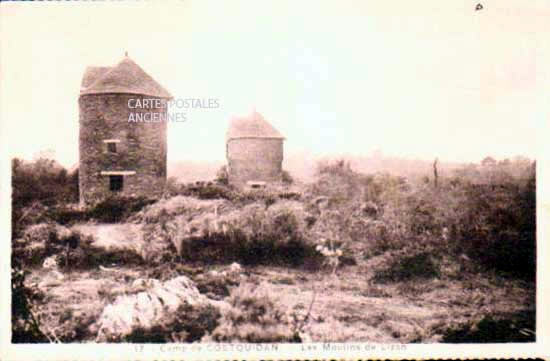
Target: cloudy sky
{"points": [[416, 79]]}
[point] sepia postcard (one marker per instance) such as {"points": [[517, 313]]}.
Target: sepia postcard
{"points": [[265, 180]]}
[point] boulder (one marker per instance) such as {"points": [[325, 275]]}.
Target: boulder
{"points": [[50, 263], [159, 307], [235, 268]]}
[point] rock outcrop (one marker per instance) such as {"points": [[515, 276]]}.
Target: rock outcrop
{"points": [[171, 306]]}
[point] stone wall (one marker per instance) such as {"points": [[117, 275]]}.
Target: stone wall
{"points": [[142, 148], [254, 159]]}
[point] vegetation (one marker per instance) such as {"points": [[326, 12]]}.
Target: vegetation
{"points": [[25, 326], [252, 316], [375, 235], [492, 329], [71, 249], [492, 223], [408, 268]]}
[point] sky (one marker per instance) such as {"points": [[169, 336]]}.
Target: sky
{"points": [[413, 79]]}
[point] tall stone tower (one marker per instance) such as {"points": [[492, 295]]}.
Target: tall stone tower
{"points": [[118, 154], [254, 150]]}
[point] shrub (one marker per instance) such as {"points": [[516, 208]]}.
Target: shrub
{"points": [[24, 326], [331, 253], [87, 256], [32, 214], [215, 286], [66, 216], [36, 186], [42, 180], [290, 196], [493, 223], [357, 209], [222, 176], [252, 317], [287, 178], [187, 324], [406, 268], [277, 235], [253, 236], [37, 243], [73, 249], [517, 327], [498, 229], [172, 187], [117, 208], [207, 190]]}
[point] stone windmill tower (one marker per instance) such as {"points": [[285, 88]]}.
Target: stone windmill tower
{"points": [[117, 156], [254, 151]]}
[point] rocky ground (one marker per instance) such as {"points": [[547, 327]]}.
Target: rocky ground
{"points": [[348, 305]]}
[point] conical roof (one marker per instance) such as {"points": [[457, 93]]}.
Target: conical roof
{"points": [[92, 73], [252, 126], [125, 77]]}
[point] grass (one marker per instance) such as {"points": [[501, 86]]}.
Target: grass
{"points": [[347, 306], [406, 268], [420, 264], [253, 316]]}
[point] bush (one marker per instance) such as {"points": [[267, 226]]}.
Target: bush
{"points": [[22, 217], [498, 229], [72, 249], [406, 268], [171, 187], [493, 223], [187, 324], [43, 180], [117, 209], [287, 178], [222, 176], [24, 326], [252, 317], [252, 236], [38, 242], [110, 210], [86, 256], [207, 190], [37, 186], [517, 327], [66, 216]]}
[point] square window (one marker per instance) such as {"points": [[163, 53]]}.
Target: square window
{"points": [[116, 182], [111, 147]]}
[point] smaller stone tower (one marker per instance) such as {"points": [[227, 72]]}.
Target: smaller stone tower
{"points": [[254, 151]]}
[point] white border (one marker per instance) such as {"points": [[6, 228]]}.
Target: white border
{"points": [[91, 351]]}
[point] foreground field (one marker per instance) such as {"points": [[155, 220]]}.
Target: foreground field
{"points": [[346, 306], [349, 257]]}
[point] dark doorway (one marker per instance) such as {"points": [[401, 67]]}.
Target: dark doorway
{"points": [[116, 182]]}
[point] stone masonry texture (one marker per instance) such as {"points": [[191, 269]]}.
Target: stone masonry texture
{"points": [[142, 147]]}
